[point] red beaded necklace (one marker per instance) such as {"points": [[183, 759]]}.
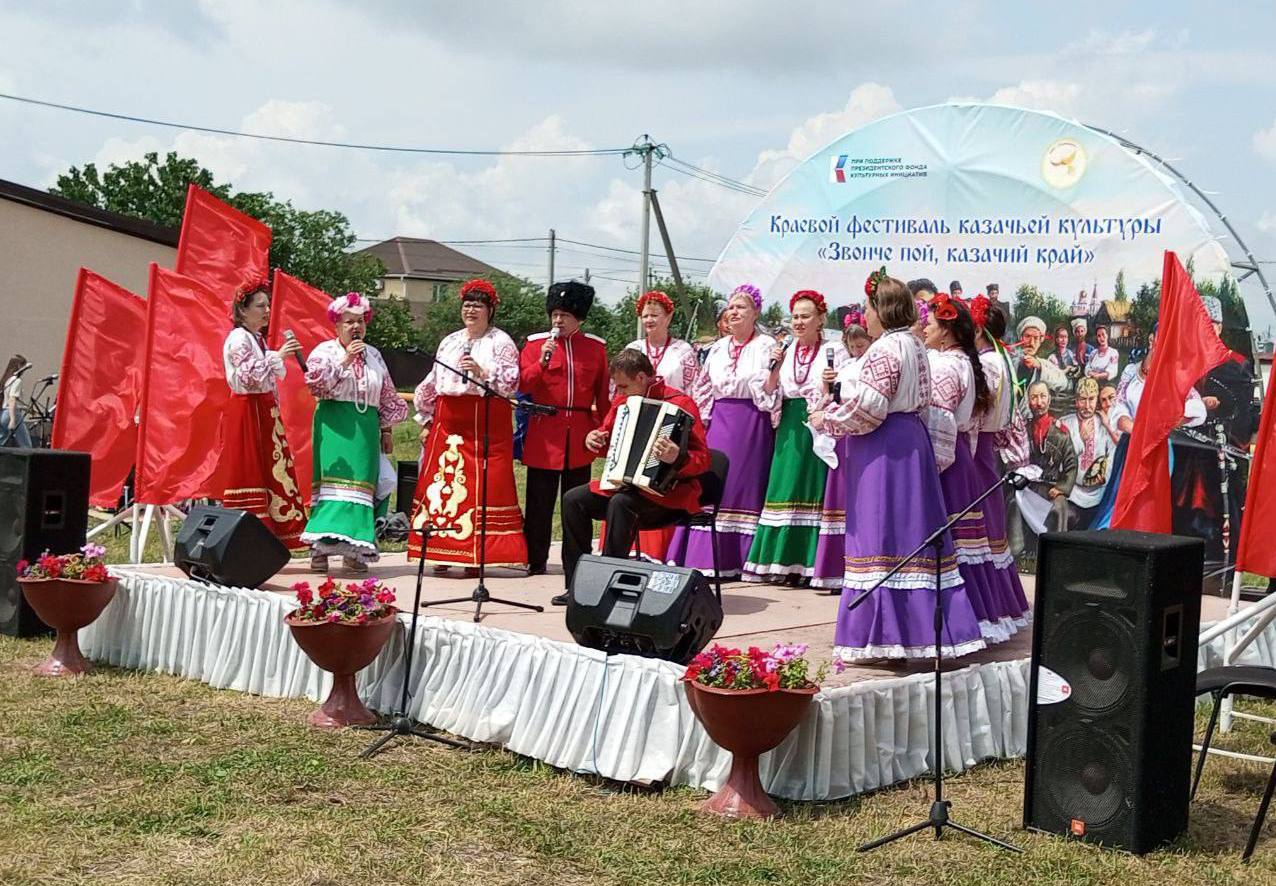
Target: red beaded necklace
{"points": [[804, 363], [656, 357], [735, 351]]}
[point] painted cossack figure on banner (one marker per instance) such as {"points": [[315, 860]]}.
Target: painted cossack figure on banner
{"points": [[357, 410], [1093, 446], [451, 409], [256, 468], [1053, 470], [566, 369]]}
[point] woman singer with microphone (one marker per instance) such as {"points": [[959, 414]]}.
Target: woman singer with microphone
{"points": [[449, 492], [256, 470]]}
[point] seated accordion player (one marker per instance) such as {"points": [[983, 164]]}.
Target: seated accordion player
{"points": [[631, 460]]}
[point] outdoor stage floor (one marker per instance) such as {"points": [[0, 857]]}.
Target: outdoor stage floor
{"points": [[753, 614]]}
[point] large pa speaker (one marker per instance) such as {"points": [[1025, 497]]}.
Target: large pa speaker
{"points": [[228, 547], [1117, 615], [638, 608], [44, 505]]}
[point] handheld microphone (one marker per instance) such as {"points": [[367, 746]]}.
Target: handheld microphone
{"points": [[358, 336], [289, 337], [775, 361], [828, 353], [469, 347], [554, 333], [1016, 480]]}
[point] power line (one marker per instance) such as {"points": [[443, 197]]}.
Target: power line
{"points": [[395, 149], [630, 251], [708, 175]]}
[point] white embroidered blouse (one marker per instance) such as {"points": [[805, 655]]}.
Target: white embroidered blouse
{"points": [[893, 376], [250, 367], [676, 363], [494, 351], [365, 381], [1130, 392], [805, 380], [1010, 432], [952, 402], [735, 375]]}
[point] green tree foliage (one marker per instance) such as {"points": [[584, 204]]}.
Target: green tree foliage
{"points": [[313, 246], [393, 326], [1033, 302], [1146, 307], [1118, 290]]}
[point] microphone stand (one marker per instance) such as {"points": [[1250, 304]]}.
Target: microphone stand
{"points": [[400, 724], [480, 594], [938, 818]]}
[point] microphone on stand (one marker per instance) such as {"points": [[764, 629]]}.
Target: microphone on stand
{"points": [[289, 337], [554, 333], [834, 387], [775, 361]]}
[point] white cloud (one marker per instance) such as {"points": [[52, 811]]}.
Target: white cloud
{"points": [[1041, 95], [1265, 142], [867, 102], [1267, 222]]}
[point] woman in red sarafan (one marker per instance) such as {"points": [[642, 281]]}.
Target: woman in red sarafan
{"points": [[450, 408], [256, 469]]}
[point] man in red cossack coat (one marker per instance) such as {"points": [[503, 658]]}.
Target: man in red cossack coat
{"points": [[567, 369]]}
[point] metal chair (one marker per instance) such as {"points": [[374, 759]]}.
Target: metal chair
{"points": [[712, 484], [1252, 680]]}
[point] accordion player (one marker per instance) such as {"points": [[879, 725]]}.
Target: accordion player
{"points": [[631, 460]]}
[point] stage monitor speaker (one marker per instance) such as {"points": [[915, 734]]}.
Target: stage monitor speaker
{"points": [[44, 506], [639, 608], [1113, 682], [408, 470], [228, 547]]}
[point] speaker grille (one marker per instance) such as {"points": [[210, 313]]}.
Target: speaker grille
{"points": [[1086, 774], [1093, 651]]}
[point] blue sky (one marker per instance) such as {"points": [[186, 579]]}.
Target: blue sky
{"points": [[745, 88]]}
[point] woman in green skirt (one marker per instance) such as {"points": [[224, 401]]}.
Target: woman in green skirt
{"points": [[357, 408], [783, 548]]}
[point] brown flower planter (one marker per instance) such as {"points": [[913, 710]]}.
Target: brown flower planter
{"points": [[342, 650], [66, 606], [748, 723]]}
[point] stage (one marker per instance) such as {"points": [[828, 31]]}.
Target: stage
{"points": [[519, 681]]}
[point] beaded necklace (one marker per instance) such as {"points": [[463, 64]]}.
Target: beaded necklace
{"points": [[656, 357], [734, 351], [800, 362]]}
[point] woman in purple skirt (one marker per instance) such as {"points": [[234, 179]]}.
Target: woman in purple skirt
{"points": [[741, 419], [1003, 445], [959, 398], [893, 498]]}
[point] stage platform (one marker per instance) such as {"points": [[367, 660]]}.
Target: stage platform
{"points": [[517, 679]]}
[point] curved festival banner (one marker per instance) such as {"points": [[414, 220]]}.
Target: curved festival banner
{"points": [[1072, 228]]}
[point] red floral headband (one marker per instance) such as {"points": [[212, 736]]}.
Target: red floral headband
{"points": [[654, 297], [854, 317], [481, 287], [870, 285], [944, 306], [244, 290], [812, 296], [979, 306]]}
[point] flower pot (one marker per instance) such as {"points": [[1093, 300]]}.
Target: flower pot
{"points": [[748, 723], [66, 606], [342, 650]]}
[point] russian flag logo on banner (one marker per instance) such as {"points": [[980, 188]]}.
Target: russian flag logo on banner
{"points": [[838, 168]]}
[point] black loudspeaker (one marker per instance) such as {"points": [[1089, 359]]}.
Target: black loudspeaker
{"points": [[44, 505], [406, 487], [638, 608], [1113, 686], [228, 547]]}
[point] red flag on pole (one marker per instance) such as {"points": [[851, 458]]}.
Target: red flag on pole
{"points": [[220, 246], [101, 382], [1187, 347], [304, 310], [184, 391], [1256, 553]]}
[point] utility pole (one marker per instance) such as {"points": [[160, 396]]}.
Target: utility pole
{"points": [[551, 258], [586, 276], [648, 150]]}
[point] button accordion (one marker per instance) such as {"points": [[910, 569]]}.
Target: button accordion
{"points": [[631, 459]]}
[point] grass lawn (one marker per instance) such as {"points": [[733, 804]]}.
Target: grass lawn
{"points": [[131, 778]]}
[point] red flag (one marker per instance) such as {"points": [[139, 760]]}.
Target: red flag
{"points": [[101, 381], [304, 310], [220, 246], [1260, 501], [184, 391], [1187, 347]]}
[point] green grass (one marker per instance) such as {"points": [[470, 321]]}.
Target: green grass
{"points": [[132, 778], [407, 446]]}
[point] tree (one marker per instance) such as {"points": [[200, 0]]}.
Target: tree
{"points": [[313, 246], [1146, 307], [393, 326], [1118, 291], [1032, 302]]}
